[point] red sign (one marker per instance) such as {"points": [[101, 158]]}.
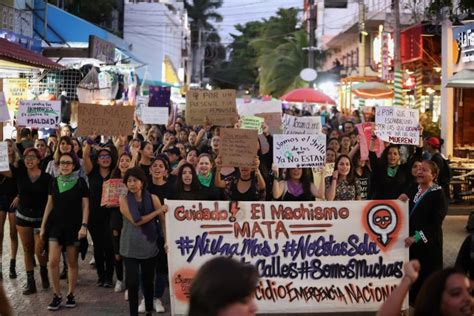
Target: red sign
{"points": [[412, 44]]}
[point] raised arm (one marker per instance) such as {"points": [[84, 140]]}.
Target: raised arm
{"points": [[86, 157], [218, 182], [331, 192]]}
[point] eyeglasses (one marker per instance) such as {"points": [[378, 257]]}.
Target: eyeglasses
{"points": [[66, 163], [104, 156], [31, 158]]}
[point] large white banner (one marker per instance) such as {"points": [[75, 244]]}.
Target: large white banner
{"points": [[397, 125], [259, 107], [301, 124], [299, 151], [312, 257], [39, 114]]}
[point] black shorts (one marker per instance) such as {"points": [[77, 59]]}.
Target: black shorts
{"points": [[64, 236], [116, 220], [5, 202], [28, 218]]}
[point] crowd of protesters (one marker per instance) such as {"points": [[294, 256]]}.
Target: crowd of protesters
{"points": [[52, 197]]}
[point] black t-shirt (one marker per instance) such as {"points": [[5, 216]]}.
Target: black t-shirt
{"points": [[163, 192], [146, 169], [200, 195], [364, 181], [95, 187], [33, 195], [67, 206]]}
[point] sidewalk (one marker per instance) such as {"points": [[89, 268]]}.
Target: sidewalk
{"points": [[93, 300]]}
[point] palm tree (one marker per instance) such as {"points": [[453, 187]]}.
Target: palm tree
{"points": [[201, 12]]}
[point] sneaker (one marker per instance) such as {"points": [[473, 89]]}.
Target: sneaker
{"points": [[125, 296], [141, 307], [100, 283], [55, 303], [158, 306], [71, 301], [119, 287], [108, 284]]}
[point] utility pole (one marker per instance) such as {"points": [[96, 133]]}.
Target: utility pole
{"points": [[398, 76], [362, 35], [312, 39]]}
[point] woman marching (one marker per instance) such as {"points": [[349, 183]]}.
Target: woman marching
{"points": [[428, 207], [343, 185], [297, 185], [8, 203], [65, 225], [32, 186], [138, 242]]}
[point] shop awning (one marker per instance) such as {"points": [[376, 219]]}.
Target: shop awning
{"points": [[14, 53], [462, 79]]}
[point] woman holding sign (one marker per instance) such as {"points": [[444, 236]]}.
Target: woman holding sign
{"points": [[343, 185], [297, 185], [428, 207], [64, 225], [138, 242]]}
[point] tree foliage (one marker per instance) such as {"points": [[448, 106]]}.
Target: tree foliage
{"points": [[201, 13], [98, 12]]}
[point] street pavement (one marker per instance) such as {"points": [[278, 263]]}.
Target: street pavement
{"points": [[93, 300]]}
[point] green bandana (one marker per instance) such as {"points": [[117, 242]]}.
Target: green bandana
{"points": [[205, 181], [392, 171], [66, 183]]}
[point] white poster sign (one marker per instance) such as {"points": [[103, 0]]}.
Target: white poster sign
{"points": [[252, 108], [299, 151], [312, 257], [154, 115], [301, 124], [4, 114], [4, 157], [140, 103], [397, 125], [39, 114]]}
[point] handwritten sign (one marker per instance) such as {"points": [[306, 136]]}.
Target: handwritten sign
{"points": [[299, 151], [301, 125], [238, 147], [397, 125], [39, 114], [154, 115], [312, 257], [140, 103], [218, 107], [4, 156], [273, 120], [104, 120], [112, 190], [252, 122], [4, 115]]}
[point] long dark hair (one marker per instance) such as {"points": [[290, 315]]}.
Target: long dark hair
{"points": [[384, 157], [116, 173], [219, 283], [195, 185], [306, 179], [428, 301], [350, 176]]}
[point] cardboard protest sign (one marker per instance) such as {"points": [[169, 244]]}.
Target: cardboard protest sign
{"points": [[312, 257], [299, 151], [155, 115], [301, 124], [217, 106], [39, 114], [4, 156], [273, 120], [238, 147], [140, 103], [257, 107], [4, 114], [252, 122], [112, 190], [104, 120], [397, 125]]}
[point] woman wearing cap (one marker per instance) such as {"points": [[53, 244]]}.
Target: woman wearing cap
{"points": [[99, 171], [433, 145], [64, 224], [32, 186]]}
